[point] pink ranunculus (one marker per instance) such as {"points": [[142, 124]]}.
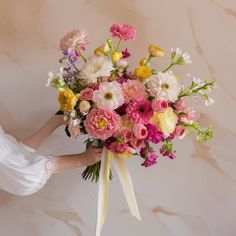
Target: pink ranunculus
{"points": [[180, 105], [133, 89], [159, 105], [73, 39], [180, 131], [123, 31], [140, 110], [102, 124], [140, 131], [118, 147], [137, 143], [86, 94], [126, 134]]}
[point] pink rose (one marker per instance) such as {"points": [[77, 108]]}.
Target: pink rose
{"points": [[102, 124], [180, 131], [180, 105], [159, 105], [127, 135], [137, 143], [123, 31], [140, 131], [86, 94]]}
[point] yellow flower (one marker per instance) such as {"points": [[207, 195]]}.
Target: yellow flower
{"points": [[116, 56], [165, 121], [143, 72], [67, 100], [104, 48], [142, 61], [155, 51], [97, 52]]}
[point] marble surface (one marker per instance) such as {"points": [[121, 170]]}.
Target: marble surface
{"points": [[193, 195]]}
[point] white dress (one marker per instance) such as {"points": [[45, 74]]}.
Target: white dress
{"points": [[22, 170]]}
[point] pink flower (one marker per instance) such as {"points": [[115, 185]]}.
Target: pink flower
{"points": [[140, 131], [140, 110], [180, 105], [122, 63], [188, 116], [149, 156], [73, 39], [86, 94], [137, 143], [180, 131], [123, 31], [126, 134], [118, 147], [102, 124], [74, 128], [159, 105], [133, 89]]}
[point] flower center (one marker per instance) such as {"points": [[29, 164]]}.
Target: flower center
{"points": [[141, 109], [101, 123], [108, 96], [165, 86]]}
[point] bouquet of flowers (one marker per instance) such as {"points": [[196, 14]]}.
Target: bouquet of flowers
{"points": [[126, 110]]}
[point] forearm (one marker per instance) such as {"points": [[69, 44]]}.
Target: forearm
{"points": [[36, 139]]}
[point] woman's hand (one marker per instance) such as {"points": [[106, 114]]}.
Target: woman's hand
{"points": [[91, 156]]}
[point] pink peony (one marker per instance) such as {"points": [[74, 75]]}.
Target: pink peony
{"points": [[123, 31], [102, 124], [140, 131], [140, 110], [133, 89], [73, 39], [86, 94], [159, 105]]}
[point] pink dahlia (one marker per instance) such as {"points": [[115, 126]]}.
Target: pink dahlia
{"points": [[140, 110], [102, 124], [123, 31], [133, 89], [86, 94], [73, 39]]}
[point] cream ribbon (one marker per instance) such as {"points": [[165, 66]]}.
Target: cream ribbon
{"points": [[126, 184]]}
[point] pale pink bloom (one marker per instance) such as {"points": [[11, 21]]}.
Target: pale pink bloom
{"points": [[133, 89], [73, 39], [140, 131], [180, 131], [123, 31], [84, 106], [118, 147], [126, 134], [180, 105], [159, 105], [102, 124], [188, 116], [137, 143], [86, 94], [74, 128], [122, 63]]}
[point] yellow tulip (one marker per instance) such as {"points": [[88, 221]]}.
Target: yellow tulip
{"points": [[116, 56], [155, 51]]}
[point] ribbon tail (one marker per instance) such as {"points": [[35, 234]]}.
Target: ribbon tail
{"points": [[127, 186], [103, 189]]}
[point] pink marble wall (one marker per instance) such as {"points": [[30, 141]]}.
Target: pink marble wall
{"points": [[193, 195]]}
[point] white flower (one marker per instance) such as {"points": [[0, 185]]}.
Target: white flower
{"points": [[163, 85], [209, 101], [109, 96], [58, 76], [180, 56], [97, 66], [199, 83], [84, 106]]}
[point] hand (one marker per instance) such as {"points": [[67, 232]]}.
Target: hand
{"points": [[91, 156], [58, 120]]}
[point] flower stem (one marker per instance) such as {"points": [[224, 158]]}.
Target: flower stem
{"points": [[171, 64], [82, 55], [118, 44]]}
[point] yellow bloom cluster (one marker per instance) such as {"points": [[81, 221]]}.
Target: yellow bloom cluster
{"points": [[67, 100]]}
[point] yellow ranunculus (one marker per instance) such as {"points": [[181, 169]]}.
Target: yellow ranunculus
{"points": [[67, 100], [155, 51], [143, 72], [97, 52], [165, 121], [116, 56]]}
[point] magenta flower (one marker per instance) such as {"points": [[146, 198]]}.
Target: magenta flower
{"points": [[140, 110], [123, 31], [150, 157], [154, 135], [125, 53], [102, 124]]}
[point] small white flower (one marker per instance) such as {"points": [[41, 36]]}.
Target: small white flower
{"points": [[209, 101], [97, 66], [180, 56], [51, 76], [163, 85], [109, 96]]}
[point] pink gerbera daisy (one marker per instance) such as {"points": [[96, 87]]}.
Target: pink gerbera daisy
{"points": [[140, 110]]}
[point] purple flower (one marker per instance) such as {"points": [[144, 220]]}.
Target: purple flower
{"points": [[125, 53], [121, 79], [154, 135]]}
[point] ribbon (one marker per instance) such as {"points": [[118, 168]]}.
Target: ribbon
{"points": [[126, 184]]}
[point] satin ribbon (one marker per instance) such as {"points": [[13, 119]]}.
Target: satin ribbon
{"points": [[126, 184]]}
